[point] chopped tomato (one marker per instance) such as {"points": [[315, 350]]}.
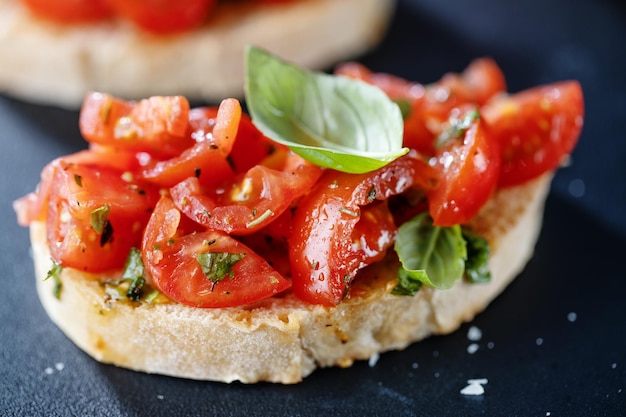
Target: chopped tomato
{"points": [[164, 16], [327, 247], [205, 269], [469, 165], [157, 125], [94, 216], [430, 105], [536, 128], [70, 11], [249, 203], [214, 133]]}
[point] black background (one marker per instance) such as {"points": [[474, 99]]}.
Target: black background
{"points": [[536, 360]]}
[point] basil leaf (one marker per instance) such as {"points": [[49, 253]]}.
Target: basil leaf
{"points": [[331, 121], [406, 285], [477, 266], [433, 255], [134, 274]]}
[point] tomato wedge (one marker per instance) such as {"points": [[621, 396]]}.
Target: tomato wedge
{"points": [[536, 129], [327, 247], [204, 269], [157, 125], [251, 202], [469, 165], [215, 133], [94, 216]]}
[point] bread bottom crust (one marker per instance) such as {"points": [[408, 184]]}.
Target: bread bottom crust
{"points": [[283, 339], [56, 64]]}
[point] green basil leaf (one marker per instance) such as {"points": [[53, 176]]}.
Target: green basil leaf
{"points": [[477, 265], [334, 122], [406, 284], [134, 274], [433, 255]]}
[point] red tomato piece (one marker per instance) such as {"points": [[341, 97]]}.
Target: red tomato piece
{"points": [[536, 128], [327, 246], [205, 269], [70, 11], [164, 16], [94, 216], [215, 132], [157, 125], [469, 166], [251, 202]]}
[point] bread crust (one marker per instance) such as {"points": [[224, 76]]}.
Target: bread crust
{"points": [[283, 339], [58, 64]]}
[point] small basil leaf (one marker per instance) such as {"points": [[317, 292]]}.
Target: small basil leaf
{"points": [[406, 284], [334, 122], [433, 255], [477, 266]]}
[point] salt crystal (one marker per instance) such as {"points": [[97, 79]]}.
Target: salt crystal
{"points": [[490, 345], [473, 348], [613, 365], [539, 341], [474, 387], [572, 317], [415, 365], [474, 334], [160, 397], [373, 360], [59, 366], [435, 353], [49, 371]]}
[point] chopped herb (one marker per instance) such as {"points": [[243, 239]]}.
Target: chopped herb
{"points": [[268, 213], [218, 265], [349, 212], [55, 274], [99, 218], [78, 180], [457, 128], [107, 233], [476, 266], [315, 264], [371, 195], [134, 274], [171, 241]]}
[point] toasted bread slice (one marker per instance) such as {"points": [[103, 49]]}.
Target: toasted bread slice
{"points": [[282, 339], [58, 64]]}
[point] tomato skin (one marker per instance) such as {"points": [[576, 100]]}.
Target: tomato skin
{"points": [[323, 254], [469, 169], [157, 125], [164, 16], [70, 11], [536, 129], [171, 262], [78, 190], [249, 203]]}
